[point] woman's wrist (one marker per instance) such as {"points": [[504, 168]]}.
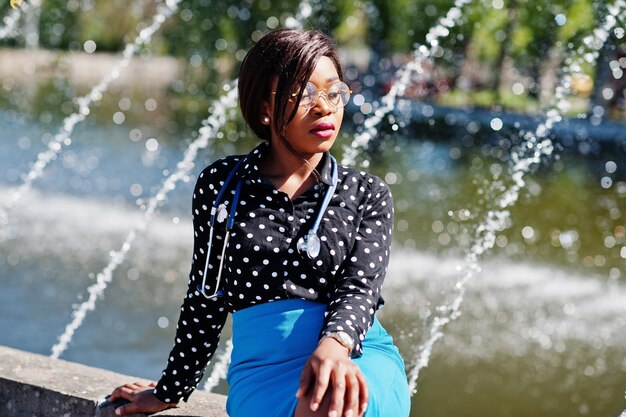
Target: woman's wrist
{"points": [[329, 341], [343, 338]]}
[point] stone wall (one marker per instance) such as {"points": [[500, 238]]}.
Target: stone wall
{"points": [[38, 386]]}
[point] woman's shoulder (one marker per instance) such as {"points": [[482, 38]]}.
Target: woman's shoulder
{"points": [[219, 169], [360, 178]]}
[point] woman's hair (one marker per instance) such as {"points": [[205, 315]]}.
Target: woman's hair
{"points": [[290, 56]]}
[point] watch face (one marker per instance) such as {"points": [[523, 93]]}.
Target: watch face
{"points": [[346, 339], [313, 246]]}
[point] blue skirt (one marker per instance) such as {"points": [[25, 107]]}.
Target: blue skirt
{"points": [[273, 341]]}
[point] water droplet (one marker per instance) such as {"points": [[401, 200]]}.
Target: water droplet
{"points": [[610, 167], [89, 46], [496, 123], [118, 118], [163, 322], [560, 19], [152, 145]]}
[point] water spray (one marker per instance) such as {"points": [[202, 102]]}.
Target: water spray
{"points": [[405, 75], [62, 138], [220, 369], [535, 146], [213, 124]]}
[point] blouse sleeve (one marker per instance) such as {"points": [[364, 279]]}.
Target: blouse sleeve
{"points": [[361, 275], [201, 320]]}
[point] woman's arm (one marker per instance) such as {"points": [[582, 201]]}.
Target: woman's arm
{"points": [[200, 322], [360, 277], [351, 310]]}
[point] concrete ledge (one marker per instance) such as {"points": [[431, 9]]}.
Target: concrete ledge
{"points": [[38, 386]]}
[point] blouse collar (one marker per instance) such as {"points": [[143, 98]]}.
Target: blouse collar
{"points": [[250, 168]]}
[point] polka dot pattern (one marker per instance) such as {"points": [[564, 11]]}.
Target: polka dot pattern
{"points": [[262, 262]]}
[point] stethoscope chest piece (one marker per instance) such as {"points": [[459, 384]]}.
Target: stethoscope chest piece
{"points": [[310, 245], [222, 213]]}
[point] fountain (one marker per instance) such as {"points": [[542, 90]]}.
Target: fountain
{"points": [[62, 138], [533, 149], [524, 159]]}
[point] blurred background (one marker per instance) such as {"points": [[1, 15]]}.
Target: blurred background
{"points": [[542, 330]]}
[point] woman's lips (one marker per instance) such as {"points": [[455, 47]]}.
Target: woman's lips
{"points": [[323, 130]]}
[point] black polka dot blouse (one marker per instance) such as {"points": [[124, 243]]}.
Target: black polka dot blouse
{"points": [[262, 263]]}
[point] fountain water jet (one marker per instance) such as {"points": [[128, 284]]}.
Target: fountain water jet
{"points": [[527, 156], [220, 369], [403, 77], [55, 146], [213, 124]]}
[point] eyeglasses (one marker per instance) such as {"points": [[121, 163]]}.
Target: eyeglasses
{"points": [[337, 95]]}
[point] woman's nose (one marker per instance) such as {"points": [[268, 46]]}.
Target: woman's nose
{"points": [[323, 106]]}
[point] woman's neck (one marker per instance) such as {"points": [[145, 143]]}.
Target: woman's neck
{"points": [[288, 172], [281, 163]]}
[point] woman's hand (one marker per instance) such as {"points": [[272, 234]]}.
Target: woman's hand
{"points": [[141, 397], [330, 364]]}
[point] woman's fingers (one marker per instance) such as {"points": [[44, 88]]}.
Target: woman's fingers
{"points": [[321, 383], [129, 391], [364, 395], [127, 409], [305, 380], [338, 392], [351, 401], [330, 376], [120, 392], [144, 402]]}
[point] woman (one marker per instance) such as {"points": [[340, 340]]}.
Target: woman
{"points": [[296, 247]]}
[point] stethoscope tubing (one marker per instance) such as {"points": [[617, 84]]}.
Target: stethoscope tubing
{"points": [[229, 225], [215, 211], [327, 197]]}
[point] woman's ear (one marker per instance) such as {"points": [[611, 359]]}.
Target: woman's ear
{"points": [[266, 112]]}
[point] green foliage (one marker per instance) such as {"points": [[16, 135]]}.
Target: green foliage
{"points": [[213, 35], [487, 33], [59, 24], [581, 19]]}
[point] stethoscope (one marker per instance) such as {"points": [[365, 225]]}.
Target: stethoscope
{"points": [[309, 244]]}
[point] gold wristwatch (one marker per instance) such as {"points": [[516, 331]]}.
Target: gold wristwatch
{"points": [[343, 338]]}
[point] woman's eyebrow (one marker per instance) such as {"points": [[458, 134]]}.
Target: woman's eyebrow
{"points": [[332, 79]]}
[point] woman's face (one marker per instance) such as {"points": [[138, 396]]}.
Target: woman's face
{"points": [[315, 129]]}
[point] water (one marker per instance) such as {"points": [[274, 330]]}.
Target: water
{"points": [[567, 240], [537, 315], [209, 131], [62, 138], [523, 159], [410, 72]]}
